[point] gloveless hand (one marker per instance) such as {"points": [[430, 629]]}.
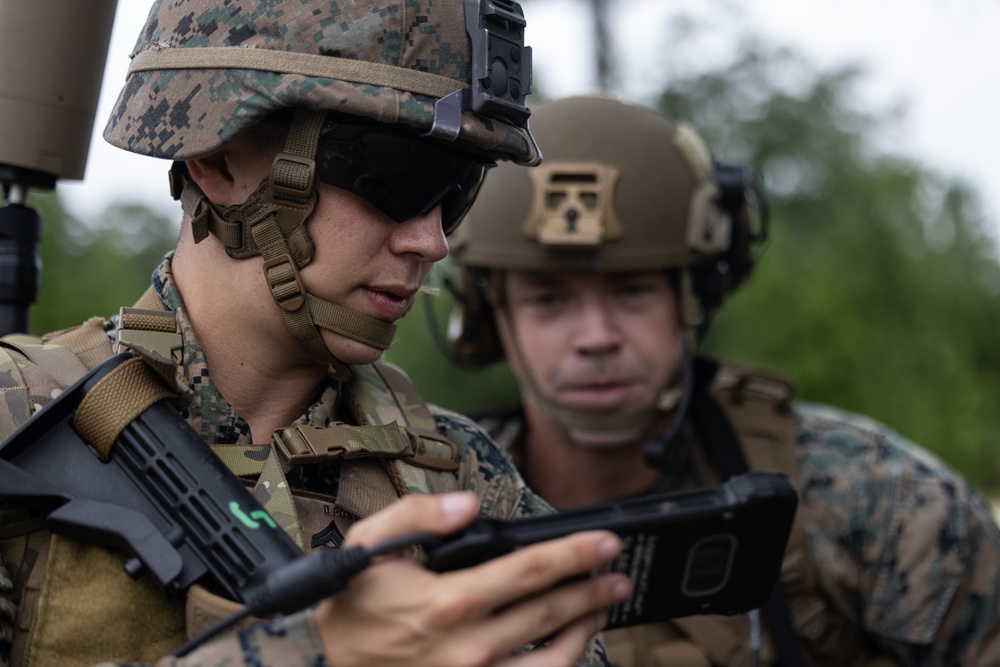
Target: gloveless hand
{"points": [[399, 613]]}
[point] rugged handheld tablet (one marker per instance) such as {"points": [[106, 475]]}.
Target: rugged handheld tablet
{"points": [[715, 550]]}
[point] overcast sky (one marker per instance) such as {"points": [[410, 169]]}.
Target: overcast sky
{"points": [[940, 55]]}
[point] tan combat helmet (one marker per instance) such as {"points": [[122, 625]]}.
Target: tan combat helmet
{"points": [[451, 75], [622, 188]]}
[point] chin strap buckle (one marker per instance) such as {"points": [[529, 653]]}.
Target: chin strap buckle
{"points": [[285, 283]]}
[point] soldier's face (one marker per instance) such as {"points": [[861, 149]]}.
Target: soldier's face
{"points": [[600, 343], [367, 262], [362, 259]]}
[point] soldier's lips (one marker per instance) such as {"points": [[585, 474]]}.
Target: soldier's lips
{"points": [[601, 396], [390, 303]]}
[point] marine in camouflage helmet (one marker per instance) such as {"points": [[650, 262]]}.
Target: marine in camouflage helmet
{"points": [[449, 74], [271, 111]]}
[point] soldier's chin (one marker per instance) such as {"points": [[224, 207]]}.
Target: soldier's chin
{"points": [[612, 438], [350, 351]]}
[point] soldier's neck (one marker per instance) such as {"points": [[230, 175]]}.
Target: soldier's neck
{"points": [[254, 362], [567, 474]]}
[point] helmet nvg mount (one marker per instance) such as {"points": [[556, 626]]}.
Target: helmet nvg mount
{"points": [[204, 72], [622, 188]]}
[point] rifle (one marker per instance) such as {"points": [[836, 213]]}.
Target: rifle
{"points": [[169, 503]]}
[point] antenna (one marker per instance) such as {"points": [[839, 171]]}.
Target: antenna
{"points": [[52, 57]]}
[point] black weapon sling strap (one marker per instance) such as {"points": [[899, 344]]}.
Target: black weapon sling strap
{"points": [[723, 448]]}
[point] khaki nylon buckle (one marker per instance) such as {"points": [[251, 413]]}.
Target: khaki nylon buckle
{"points": [[422, 459], [286, 285], [295, 448], [162, 339], [286, 162]]}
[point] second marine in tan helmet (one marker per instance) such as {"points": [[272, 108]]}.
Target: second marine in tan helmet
{"points": [[593, 276]]}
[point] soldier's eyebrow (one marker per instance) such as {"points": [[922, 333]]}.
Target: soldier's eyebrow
{"points": [[539, 279]]}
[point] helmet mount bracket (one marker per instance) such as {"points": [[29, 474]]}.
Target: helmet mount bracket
{"points": [[501, 63]]}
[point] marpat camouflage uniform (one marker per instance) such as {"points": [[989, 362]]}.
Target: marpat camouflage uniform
{"points": [[906, 556], [292, 640]]}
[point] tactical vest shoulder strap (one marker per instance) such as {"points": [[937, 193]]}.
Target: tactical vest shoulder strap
{"points": [[381, 394], [68, 354], [58, 364], [89, 342], [753, 428], [759, 407], [61, 363], [35, 370]]}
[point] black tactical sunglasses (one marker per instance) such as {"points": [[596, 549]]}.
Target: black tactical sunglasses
{"points": [[400, 174]]}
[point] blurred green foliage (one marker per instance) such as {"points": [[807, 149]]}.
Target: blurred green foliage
{"points": [[95, 267], [878, 289]]}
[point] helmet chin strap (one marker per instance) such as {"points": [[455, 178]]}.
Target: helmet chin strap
{"points": [[658, 447], [584, 427], [271, 223]]}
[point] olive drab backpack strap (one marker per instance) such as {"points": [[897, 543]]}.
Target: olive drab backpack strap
{"points": [[723, 417], [759, 406]]}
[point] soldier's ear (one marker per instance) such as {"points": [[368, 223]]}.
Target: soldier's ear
{"points": [[213, 176]]}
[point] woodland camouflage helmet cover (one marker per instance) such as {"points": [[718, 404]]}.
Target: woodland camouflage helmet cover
{"points": [[204, 71]]}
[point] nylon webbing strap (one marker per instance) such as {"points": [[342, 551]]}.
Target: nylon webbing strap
{"points": [[154, 330], [150, 300], [280, 270], [305, 64], [204, 216], [275, 494], [293, 170], [384, 393], [230, 233], [243, 459], [413, 407], [347, 322], [302, 445], [117, 399], [149, 320], [287, 288], [89, 341]]}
